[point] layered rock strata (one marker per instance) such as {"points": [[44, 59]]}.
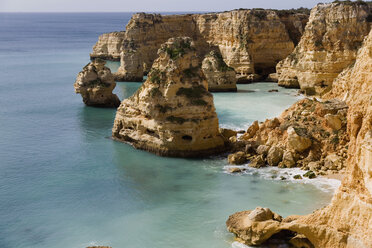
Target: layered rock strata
{"points": [[346, 222], [95, 84], [220, 77], [310, 134], [109, 46], [172, 114], [329, 44], [250, 41]]}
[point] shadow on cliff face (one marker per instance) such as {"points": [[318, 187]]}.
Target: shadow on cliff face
{"points": [[287, 239]]}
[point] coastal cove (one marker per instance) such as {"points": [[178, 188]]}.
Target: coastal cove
{"points": [[65, 183]]}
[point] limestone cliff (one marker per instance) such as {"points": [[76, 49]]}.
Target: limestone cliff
{"points": [[346, 222], [109, 46], [250, 41], [220, 77], [95, 83], [329, 44], [172, 114]]}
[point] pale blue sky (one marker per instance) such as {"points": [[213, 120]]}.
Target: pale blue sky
{"points": [[146, 5]]}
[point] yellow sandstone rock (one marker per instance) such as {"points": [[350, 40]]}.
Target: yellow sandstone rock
{"points": [[95, 83], [329, 44], [172, 114], [109, 46], [220, 77], [250, 41], [347, 221]]}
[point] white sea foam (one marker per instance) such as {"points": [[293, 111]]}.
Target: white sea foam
{"points": [[286, 174], [236, 244]]}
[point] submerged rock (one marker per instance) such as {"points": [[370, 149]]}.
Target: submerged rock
{"points": [[237, 158], [236, 170], [172, 114], [95, 84], [309, 174], [220, 77]]}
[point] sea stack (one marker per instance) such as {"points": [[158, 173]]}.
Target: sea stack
{"points": [[172, 114], [220, 76], [95, 83]]}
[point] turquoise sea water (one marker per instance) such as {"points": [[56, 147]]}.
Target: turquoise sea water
{"points": [[65, 183]]}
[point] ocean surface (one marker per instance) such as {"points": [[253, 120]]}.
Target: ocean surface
{"points": [[65, 183]]}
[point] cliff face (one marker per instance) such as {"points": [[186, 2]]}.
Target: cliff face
{"points": [[346, 222], [95, 83], [250, 41], [220, 77], [109, 46], [329, 44], [172, 114]]}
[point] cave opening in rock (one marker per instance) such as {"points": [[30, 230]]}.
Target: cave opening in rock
{"points": [[187, 137], [288, 239]]}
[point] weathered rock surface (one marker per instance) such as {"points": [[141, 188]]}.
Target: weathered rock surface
{"points": [[237, 158], [329, 44], [346, 222], [220, 77], [109, 46], [250, 41], [300, 136], [95, 84], [172, 114]]}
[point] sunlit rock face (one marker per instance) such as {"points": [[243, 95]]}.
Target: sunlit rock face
{"points": [[95, 84], [346, 222], [172, 114], [220, 77], [329, 44], [109, 46], [250, 41]]}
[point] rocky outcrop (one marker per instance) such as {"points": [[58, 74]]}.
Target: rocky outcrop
{"points": [[303, 136], [346, 222], [250, 41], [220, 77], [172, 114], [329, 44], [109, 46], [95, 84], [261, 226]]}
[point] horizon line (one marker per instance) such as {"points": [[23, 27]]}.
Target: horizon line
{"points": [[144, 11]]}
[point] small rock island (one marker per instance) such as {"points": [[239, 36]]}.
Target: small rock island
{"points": [[173, 113], [95, 83]]}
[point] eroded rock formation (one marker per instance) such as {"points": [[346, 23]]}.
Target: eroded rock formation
{"points": [[109, 46], [329, 44], [95, 84], [220, 77], [173, 113], [346, 222], [310, 134], [250, 41]]}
